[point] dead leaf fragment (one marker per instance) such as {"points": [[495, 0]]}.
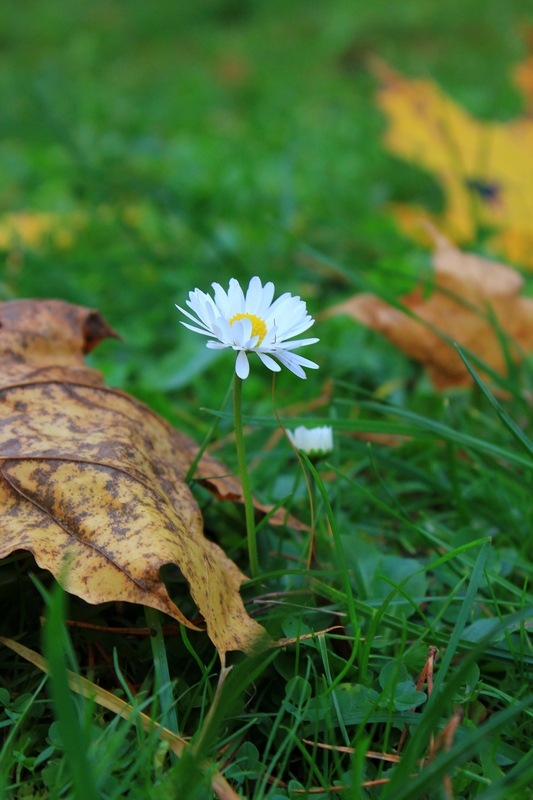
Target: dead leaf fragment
{"points": [[467, 290], [92, 481]]}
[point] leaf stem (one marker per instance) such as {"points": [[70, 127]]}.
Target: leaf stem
{"points": [[162, 673], [246, 491]]}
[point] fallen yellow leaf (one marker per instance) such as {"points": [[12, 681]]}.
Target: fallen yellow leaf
{"points": [[92, 481]]}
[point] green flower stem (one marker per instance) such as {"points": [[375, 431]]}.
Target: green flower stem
{"points": [[162, 674], [313, 501], [246, 491]]}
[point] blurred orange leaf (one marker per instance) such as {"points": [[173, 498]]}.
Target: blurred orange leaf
{"points": [[92, 481], [467, 290], [485, 168]]}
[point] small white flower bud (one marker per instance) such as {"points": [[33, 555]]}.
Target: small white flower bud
{"points": [[313, 441]]}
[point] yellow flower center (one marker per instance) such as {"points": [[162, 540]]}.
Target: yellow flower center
{"points": [[259, 327]]}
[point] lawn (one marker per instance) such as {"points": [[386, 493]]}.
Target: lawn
{"points": [[149, 149]]}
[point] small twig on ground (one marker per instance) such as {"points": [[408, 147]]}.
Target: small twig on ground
{"points": [[426, 676]]}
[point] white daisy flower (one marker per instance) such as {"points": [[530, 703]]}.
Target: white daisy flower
{"points": [[313, 441], [252, 323]]}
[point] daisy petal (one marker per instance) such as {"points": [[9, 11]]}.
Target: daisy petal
{"points": [[225, 330], [253, 295], [269, 342], [235, 298], [200, 304], [190, 316], [247, 329], [277, 305], [295, 362], [297, 343], [237, 333], [242, 367], [297, 328], [269, 362], [196, 330], [266, 299], [221, 299], [303, 362], [288, 360]]}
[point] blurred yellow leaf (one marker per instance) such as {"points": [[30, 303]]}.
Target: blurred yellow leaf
{"points": [[33, 228], [485, 168]]}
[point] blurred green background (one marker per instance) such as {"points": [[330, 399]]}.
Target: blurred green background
{"points": [[177, 143]]}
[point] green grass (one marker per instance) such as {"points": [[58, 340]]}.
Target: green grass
{"points": [[197, 141]]}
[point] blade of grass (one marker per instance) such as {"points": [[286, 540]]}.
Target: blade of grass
{"points": [[405, 787], [7, 746], [415, 631], [435, 540], [418, 423], [520, 776], [113, 703], [442, 695], [518, 434], [464, 614], [345, 575], [73, 735], [163, 684], [322, 647]]}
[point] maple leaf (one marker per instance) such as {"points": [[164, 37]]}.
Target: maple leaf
{"points": [[92, 481], [467, 291], [485, 168]]}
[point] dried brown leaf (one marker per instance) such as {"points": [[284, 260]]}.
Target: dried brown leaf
{"points": [[468, 289], [92, 481]]}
